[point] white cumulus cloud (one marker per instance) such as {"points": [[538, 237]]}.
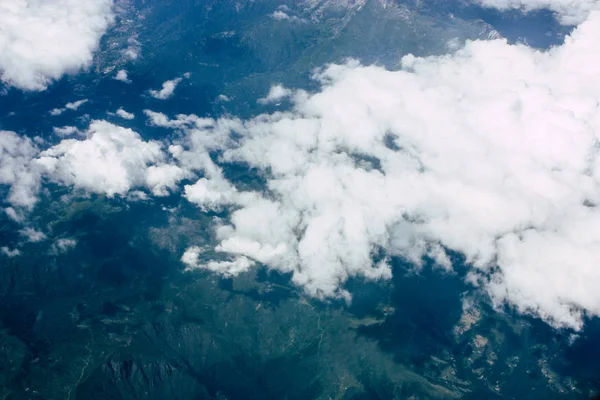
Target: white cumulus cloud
{"points": [[105, 159], [122, 76], [40, 40], [111, 160], [164, 178]]}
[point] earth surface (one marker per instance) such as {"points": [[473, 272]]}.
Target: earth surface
{"points": [[117, 317]]}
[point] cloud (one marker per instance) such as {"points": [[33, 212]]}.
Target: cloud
{"points": [[279, 15], [16, 171], [282, 15], [227, 268], [276, 93], [32, 235], [122, 76], [10, 252], [160, 120], [180, 122], [63, 245], [491, 152], [164, 178], [65, 131], [190, 256], [212, 193], [133, 50], [124, 114], [203, 135], [137, 195], [74, 106], [15, 215], [42, 40], [111, 160], [569, 12], [168, 89]]}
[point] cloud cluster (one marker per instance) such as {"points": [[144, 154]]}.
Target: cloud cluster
{"points": [[569, 12], [111, 160], [40, 40], [491, 152], [108, 159]]}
